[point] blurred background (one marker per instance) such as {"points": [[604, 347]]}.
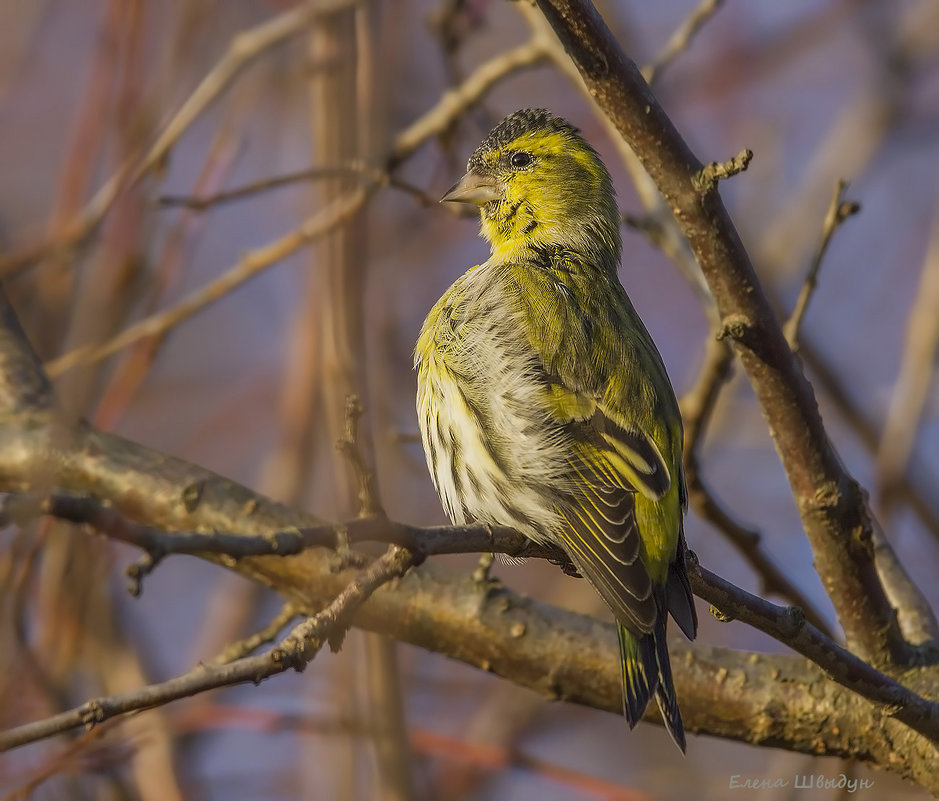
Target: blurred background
{"points": [[252, 383]]}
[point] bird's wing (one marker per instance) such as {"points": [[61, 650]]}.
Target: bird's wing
{"points": [[607, 466]]}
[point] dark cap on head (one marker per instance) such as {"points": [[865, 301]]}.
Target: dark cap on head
{"points": [[518, 124]]}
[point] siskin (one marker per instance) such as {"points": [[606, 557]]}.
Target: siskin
{"points": [[543, 403]]}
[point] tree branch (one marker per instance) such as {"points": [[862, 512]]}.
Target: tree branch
{"points": [[830, 501], [681, 39], [433, 122], [839, 210], [295, 651], [697, 407], [786, 624]]}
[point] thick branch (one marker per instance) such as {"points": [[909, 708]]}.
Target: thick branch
{"points": [[789, 625], [832, 505], [772, 700], [786, 624], [477, 622], [697, 407]]}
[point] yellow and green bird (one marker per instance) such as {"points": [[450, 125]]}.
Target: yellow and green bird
{"points": [[542, 401]]}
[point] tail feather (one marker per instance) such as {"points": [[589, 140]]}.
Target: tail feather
{"points": [[647, 672], [640, 673], [678, 592], [665, 693]]}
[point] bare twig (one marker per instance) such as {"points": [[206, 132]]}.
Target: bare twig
{"points": [[348, 444], [294, 652], [240, 649], [455, 101], [697, 405], [707, 178], [789, 626], [681, 39], [423, 541], [434, 122], [839, 210], [203, 202]]}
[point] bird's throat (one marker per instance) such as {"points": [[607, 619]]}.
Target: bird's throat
{"points": [[515, 230]]}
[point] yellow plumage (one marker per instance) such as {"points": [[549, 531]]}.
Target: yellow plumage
{"points": [[542, 401]]}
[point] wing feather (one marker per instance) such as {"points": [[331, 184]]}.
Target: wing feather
{"points": [[602, 537]]}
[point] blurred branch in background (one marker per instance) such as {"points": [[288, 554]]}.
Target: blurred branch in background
{"points": [[914, 378], [322, 222], [244, 49]]}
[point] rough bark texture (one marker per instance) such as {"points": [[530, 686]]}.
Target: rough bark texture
{"points": [[832, 505], [782, 701]]}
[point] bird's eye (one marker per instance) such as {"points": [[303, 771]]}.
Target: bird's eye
{"points": [[521, 158]]}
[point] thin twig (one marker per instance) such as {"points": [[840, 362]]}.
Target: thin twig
{"points": [[710, 174], [839, 210], [203, 202], [432, 123], [697, 405], [241, 648], [457, 100], [788, 625], [424, 541], [348, 445], [294, 652], [681, 39]]}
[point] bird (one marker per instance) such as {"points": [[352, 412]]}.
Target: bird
{"points": [[543, 403]]}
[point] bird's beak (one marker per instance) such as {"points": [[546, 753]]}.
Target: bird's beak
{"points": [[474, 188]]}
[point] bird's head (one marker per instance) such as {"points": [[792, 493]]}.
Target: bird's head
{"points": [[539, 184]]}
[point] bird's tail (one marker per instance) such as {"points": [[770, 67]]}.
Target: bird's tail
{"points": [[647, 672]]}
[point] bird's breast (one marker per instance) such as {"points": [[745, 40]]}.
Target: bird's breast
{"points": [[490, 445]]}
